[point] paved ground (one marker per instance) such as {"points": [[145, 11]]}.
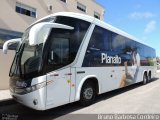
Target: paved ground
{"points": [[133, 99], [4, 94]]}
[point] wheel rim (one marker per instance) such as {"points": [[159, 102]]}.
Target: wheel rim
{"points": [[88, 93]]}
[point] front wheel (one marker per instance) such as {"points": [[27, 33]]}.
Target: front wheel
{"points": [[88, 94]]}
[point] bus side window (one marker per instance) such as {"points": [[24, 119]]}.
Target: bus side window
{"points": [[118, 43], [99, 43]]}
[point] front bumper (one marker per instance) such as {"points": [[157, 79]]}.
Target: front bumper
{"points": [[35, 100]]}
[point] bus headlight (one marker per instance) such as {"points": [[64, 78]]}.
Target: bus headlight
{"points": [[31, 88], [35, 87]]}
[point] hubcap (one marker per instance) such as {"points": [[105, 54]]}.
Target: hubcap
{"points": [[88, 93]]}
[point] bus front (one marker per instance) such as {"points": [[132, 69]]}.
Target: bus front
{"points": [[25, 85], [49, 45]]}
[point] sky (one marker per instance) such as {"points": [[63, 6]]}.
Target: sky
{"points": [[140, 18]]}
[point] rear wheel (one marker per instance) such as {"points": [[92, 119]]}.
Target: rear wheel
{"points": [[145, 79], [149, 76], [88, 94]]}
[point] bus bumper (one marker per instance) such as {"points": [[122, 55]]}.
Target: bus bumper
{"points": [[35, 100]]}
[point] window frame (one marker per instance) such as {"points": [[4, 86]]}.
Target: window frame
{"points": [[97, 15], [25, 10], [64, 1], [81, 7]]}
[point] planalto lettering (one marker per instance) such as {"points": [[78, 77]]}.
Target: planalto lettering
{"points": [[110, 59]]}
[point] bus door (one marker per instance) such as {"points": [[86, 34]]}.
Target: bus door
{"points": [[58, 92]]}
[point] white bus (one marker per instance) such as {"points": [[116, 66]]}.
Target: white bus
{"points": [[68, 57]]}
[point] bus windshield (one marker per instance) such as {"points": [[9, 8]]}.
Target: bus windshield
{"points": [[27, 60], [59, 49]]}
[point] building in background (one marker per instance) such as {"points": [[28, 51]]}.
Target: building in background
{"points": [[17, 15]]}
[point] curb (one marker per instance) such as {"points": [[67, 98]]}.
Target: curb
{"points": [[7, 102]]}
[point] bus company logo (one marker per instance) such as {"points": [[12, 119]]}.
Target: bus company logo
{"points": [[110, 59], [21, 84]]}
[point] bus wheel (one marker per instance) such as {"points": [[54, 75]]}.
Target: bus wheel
{"points": [[88, 94], [149, 76], [145, 79]]}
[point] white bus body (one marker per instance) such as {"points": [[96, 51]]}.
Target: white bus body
{"points": [[67, 57]]}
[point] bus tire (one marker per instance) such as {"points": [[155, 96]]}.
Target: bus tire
{"points": [[149, 76], [88, 93], [145, 79]]}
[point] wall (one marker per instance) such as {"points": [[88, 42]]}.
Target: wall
{"points": [[5, 64], [11, 20]]}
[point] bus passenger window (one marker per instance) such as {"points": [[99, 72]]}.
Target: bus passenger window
{"points": [[99, 43]]}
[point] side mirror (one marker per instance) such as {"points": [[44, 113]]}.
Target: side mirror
{"points": [[40, 31], [8, 43]]}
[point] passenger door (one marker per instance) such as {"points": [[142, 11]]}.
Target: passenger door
{"points": [[58, 92]]}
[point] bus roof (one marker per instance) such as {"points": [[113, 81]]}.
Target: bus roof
{"points": [[96, 22]]}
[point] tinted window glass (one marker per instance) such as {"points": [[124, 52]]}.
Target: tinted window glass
{"points": [[123, 48], [80, 28], [140, 48], [118, 42], [100, 42], [130, 45], [59, 53], [111, 49], [64, 44], [97, 39]]}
